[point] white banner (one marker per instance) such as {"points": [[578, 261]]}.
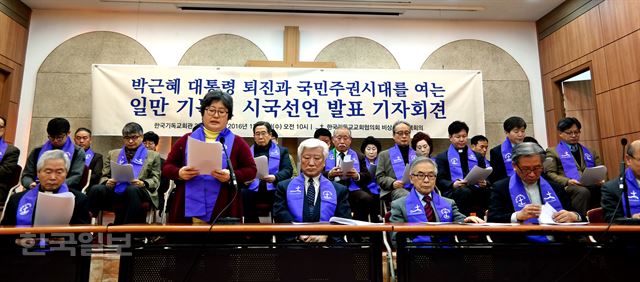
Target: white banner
{"points": [[295, 101]]}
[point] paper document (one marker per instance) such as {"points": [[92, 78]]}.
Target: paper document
{"points": [[346, 221], [121, 173], [546, 214], [54, 209], [438, 223], [346, 165], [205, 157], [406, 174], [262, 164], [477, 174], [593, 175]]}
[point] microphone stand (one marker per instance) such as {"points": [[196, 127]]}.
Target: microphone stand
{"points": [[623, 183], [234, 183]]}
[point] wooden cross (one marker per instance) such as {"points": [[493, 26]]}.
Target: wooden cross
{"points": [[291, 54]]}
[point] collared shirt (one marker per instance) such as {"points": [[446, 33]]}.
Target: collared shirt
{"points": [[316, 186]]}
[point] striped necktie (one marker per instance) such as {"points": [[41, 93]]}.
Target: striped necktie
{"points": [[428, 209], [311, 196]]}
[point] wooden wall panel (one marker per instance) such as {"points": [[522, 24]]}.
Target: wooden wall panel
{"points": [[621, 112], [552, 134], [13, 39], [598, 69], [611, 153], [604, 112], [578, 95], [578, 38], [619, 18], [623, 60]]}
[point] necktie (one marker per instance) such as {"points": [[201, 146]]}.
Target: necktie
{"points": [[341, 156], [311, 196], [428, 209]]}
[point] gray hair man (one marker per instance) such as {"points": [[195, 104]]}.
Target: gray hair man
{"points": [[311, 197], [52, 169], [520, 197]]}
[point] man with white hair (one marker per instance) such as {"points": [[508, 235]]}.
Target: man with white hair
{"points": [[311, 197], [52, 169]]}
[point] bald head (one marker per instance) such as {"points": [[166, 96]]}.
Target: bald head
{"points": [[633, 157]]}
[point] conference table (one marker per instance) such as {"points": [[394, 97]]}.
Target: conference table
{"points": [[245, 252]]}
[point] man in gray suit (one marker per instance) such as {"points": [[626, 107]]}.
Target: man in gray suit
{"points": [[440, 209], [131, 195], [422, 204], [392, 162]]}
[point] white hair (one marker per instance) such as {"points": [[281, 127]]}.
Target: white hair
{"points": [[313, 143], [422, 159], [53, 155]]}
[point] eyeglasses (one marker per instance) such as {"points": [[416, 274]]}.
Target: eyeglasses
{"points": [[131, 138], [631, 156], [58, 138], [213, 111], [403, 133], [572, 133], [535, 170], [422, 176], [261, 133]]}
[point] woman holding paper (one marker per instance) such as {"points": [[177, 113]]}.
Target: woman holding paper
{"points": [[201, 196]]}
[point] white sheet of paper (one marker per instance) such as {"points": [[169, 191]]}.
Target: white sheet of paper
{"points": [[346, 165], [546, 214], [121, 173], [262, 164], [593, 175], [406, 174], [54, 209], [477, 174], [346, 221], [206, 157]]}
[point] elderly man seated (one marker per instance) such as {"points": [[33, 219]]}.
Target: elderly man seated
{"points": [[52, 169], [311, 197], [422, 204], [520, 197]]}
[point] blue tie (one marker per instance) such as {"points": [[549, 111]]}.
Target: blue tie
{"points": [[311, 196]]}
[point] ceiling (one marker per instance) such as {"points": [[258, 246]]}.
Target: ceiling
{"points": [[494, 10]]}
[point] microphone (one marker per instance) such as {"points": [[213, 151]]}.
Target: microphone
{"points": [[232, 174], [623, 183]]}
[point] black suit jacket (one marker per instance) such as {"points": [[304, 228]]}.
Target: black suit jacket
{"points": [[96, 168], [8, 165], [80, 210], [497, 163], [611, 194], [501, 207], [73, 176], [285, 169], [444, 181], [281, 212], [365, 175]]}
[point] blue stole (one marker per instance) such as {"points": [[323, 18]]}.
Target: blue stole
{"points": [[397, 162], [68, 148], [569, 164], [505, 150], [331, 163], [296, 197], [136, 162], [634, 193], [88, 156], [27, 204], [415, 211], [455, 168], [374, 188], [519, 199], [3, 148], [274, 165], [201, 192]]}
